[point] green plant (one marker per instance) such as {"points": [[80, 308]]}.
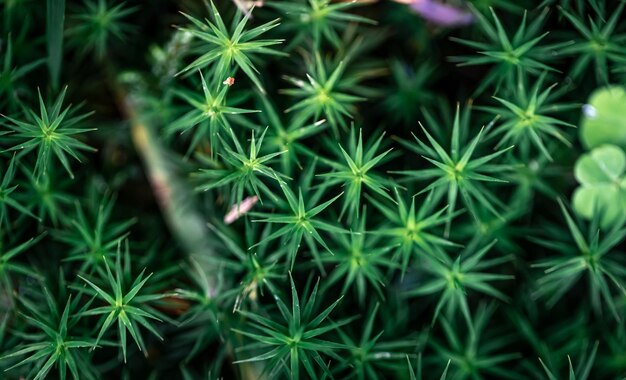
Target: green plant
{"points": [[600, 174], [244, 169], [321, 95], [599, 42], [231, 46], [526, 118], [10, 76], [52, 346], [96, 24], [508, 53], [298, 339], [123, 306], [602, 122], [458, 172], [209, 115], [9, 266], [300, 223], [93, 238], [318, 19], [472, 358], [356, 172], [372, 351], [6, 199], [453, 279], [583, 369], [360, 261], [588, 255], [411, 231], [302, 189], [52, 132]]}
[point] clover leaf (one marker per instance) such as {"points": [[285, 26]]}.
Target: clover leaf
{"points": [[603, 184], [604, 120]]}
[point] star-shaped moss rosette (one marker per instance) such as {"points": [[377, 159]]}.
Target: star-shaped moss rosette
{"points": [[602, 184], [604, 121]]}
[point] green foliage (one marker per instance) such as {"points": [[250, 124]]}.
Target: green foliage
{"points": [[321, 95], [10, 76], [411, 231], [297, 339], [360, 261], [583, 368], [589, 255], [9, 266], [254, 199], [234, 46], [96, 24], [55, 21], [202, 314], [6, 199], [417, 375], [301, 222], [318, 20], [243, 169], [452, 279], [47, 196], [209, 115], [599, 43], [93, 237], [372, 352], [410, 88], [52, 132], [124, 307], [353, 170], [526, 118], [602, 191], [602, 121], [458, 172], [508, 53], [53, 346], [288, 137], [470, 357]]}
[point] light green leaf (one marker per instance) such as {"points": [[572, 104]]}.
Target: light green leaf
{"points": [[603, 186], [604, 120]]}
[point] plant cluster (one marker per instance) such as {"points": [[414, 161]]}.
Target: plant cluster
{"points": [[312, 189]]}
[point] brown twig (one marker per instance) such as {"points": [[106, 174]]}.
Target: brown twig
{"points": [[175, 198]]}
